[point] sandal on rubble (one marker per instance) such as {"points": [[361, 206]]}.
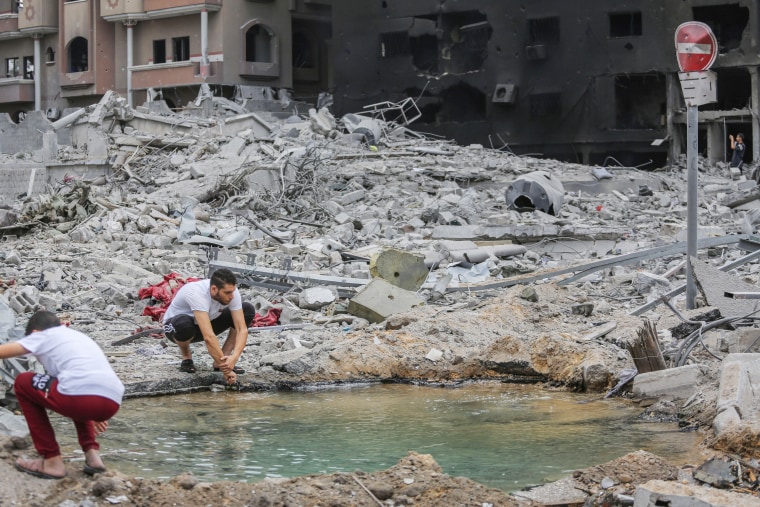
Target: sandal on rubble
{"points": [[187, 366]]}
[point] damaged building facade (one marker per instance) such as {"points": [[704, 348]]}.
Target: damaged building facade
{"points": [[63, 54], [562, 79], [590, 82]]}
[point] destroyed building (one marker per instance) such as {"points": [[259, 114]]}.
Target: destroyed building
{"points": [[595, 83]]}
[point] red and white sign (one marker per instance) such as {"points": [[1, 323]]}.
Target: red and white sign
{"points": [[696, 46]]}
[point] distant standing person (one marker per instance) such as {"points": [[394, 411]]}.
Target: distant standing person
{"points": [[200, 311], [738, 147], [78, 383]]}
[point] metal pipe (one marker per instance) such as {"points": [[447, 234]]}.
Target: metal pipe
{"points": [[692, 124]]}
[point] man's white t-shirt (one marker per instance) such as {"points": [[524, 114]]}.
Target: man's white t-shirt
{"points": [[196, 296], [76, 361]]}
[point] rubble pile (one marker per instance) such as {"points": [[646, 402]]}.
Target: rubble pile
{"points": [[388, 254]]}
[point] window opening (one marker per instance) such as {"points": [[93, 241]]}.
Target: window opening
{"points": [[181, 47], [727, 22], [394, 44], [627, 24], [28, 67], [258, 44], [159, 51], [11, 67], [78, 61], [639, 101], [543, 30], [303, 55], [50, 55]]}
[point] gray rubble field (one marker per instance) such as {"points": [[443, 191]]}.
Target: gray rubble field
{"points": [[406, 259]]}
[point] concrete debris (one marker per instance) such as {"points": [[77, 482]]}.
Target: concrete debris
{"points": [[373, 239]]}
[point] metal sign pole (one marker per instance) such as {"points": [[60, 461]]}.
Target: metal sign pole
{"points": [[696, 50], [692, 145]]}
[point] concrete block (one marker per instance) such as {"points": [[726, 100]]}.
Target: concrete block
{"points": [[290, 249], [232, 149], [12, 425], [97, 144], [737, 394], [314, 298], [747, 341], [714, 283], [342, 218], [379, 300], [400, 268], [351, 197], [673, 383], [675, 494]]}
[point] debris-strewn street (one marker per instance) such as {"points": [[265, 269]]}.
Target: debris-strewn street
{"points": [[375, 253]]}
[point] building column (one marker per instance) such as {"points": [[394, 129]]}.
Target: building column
{"points": [[130, 24], [37, 74], [204, 44], [754, 83]]}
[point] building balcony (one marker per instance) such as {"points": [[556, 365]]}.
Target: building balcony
{"points": [[15, 89], [121, 9], [38, 16], [159, 8], [73, 80], [161, 75], [259, 70], [9, 26]]}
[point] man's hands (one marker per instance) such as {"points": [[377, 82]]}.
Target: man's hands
{"points": [[731, 137], [230, 377]]}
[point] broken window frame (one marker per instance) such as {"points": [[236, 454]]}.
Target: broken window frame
{"points": [[181, 49], [394, 44], [159, 51], [625, 24]]}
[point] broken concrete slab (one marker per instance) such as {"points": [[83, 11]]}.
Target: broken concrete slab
{"points": [[400, 268], [738, 403], [676, 494], [713, 284], [378, 300], [672, 383]]}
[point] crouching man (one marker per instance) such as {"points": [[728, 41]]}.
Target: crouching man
{"points": [[200, 311]]}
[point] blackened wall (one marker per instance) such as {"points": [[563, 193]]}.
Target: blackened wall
{"points": [[569, 79]]}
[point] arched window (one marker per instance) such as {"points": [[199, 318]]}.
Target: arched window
{"points": [[260, 56], [77, 55], [50, 55], [259, 43]]}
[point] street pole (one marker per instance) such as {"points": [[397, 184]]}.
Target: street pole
{"points": [[696, 50], [692, 141]]}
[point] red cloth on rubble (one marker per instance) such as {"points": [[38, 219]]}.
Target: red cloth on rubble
{"points": [[270, 319], [163, 292]]}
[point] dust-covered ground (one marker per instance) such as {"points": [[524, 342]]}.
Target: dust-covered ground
{"points": [[88, 246]]}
